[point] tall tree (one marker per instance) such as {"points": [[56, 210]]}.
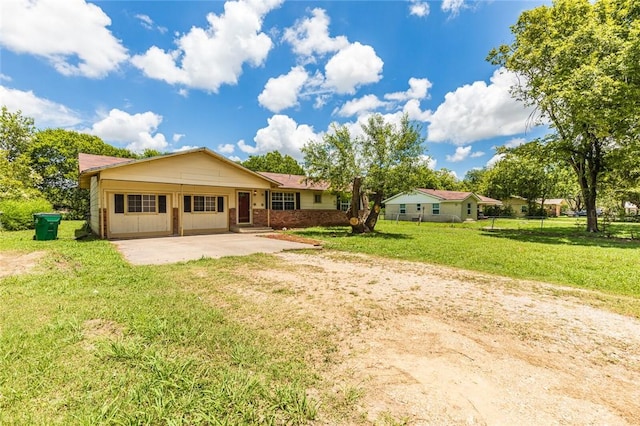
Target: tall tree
{"points": [[385, 158], [528, 171], [580, 66], [16, 133], [53, 154], [273, 162]]}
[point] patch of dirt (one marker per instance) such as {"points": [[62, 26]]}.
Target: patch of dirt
{"points": [[436, 345], [293, 238], [13, 263], [97, 329]]}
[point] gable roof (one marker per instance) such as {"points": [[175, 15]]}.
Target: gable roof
{"points": [[448, 195], [487, 200], [288, 181], [90, 164], [92, 161]]}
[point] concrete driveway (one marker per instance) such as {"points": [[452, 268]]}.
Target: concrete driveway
{"points": [[157, 251]]}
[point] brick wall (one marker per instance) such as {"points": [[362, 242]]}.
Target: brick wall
{"points": [[232, 217], [306, 218], [260, 217]]}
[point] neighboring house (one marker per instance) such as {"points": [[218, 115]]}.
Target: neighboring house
{"points": [[518, 205], [486, 202], [555, 206], [196, 192], [432, 205], [630, 209]]}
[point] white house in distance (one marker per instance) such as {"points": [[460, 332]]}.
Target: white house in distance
{"points": [[435, 205]]}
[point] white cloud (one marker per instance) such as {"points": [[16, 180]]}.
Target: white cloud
{"points": [[226, 148], [4, 77], [208, 58], [185, 148], [419, 8], [452, 6], [412, 109], [494, 160], [147, 22], [418, 88], [137, 130], [351, 67], [71, 34], [310, 36], [235, 158], [479, 111], [429, 161], [512, 143], [44, 112], [282, 92], [477, 154], [244, 147], [282, 134], [359, 106], [461, 154], [177, 136]]}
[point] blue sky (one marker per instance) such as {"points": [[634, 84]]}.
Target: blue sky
{"points": [[247, 77]]}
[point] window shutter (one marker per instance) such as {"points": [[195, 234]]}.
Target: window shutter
{"points": [[187, 203], [267, 200], [119, 203], [162, 203], [220, 204], [297, 201]]}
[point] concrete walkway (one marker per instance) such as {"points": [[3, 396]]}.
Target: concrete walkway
{"points": [[157, 251]]}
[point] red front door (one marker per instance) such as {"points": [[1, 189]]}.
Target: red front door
{"points": [[244, 207]]}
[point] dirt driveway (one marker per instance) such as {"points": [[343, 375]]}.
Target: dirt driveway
{"points": [[430, 345]]}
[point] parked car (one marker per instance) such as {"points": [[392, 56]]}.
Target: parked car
{"points": [[584, 213]]}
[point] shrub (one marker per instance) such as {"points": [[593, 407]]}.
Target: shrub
{"points": [[18, 214]]}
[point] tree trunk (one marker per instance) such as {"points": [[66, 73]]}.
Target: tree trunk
{"points": [[357, 226], [372, 218]]}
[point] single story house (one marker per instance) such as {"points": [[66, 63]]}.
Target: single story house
{"points": [[554, 207], [432, 205], [197, 192], [630, 209], [518, 205]]}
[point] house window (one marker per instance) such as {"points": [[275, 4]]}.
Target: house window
{"points": [[317, 198], [418, 207], [204, 203], [435, 208], [468, 208], [141, 203], [119, 203], [283, 201], [345, 205], [403, 208], [523, 209]]}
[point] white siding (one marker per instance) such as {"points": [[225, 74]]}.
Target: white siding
{"points": [[128, 224]]}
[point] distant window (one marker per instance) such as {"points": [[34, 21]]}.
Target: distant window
{"points": [[283, 201], [468, 208], [141, 203], [317, 198], [403, 208], [204, 203], [418, 207], [523, 209], [435, 208], [345, 205], [162, 203]]}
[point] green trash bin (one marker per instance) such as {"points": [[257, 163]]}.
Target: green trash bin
{"points": [[46, 225]]}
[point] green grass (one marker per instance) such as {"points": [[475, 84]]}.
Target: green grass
{"points": [[558, 252], [88, 339]]}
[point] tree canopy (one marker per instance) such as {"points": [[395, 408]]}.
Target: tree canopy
{"points": [[384, 160], [579, 63], [273, 162]]}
